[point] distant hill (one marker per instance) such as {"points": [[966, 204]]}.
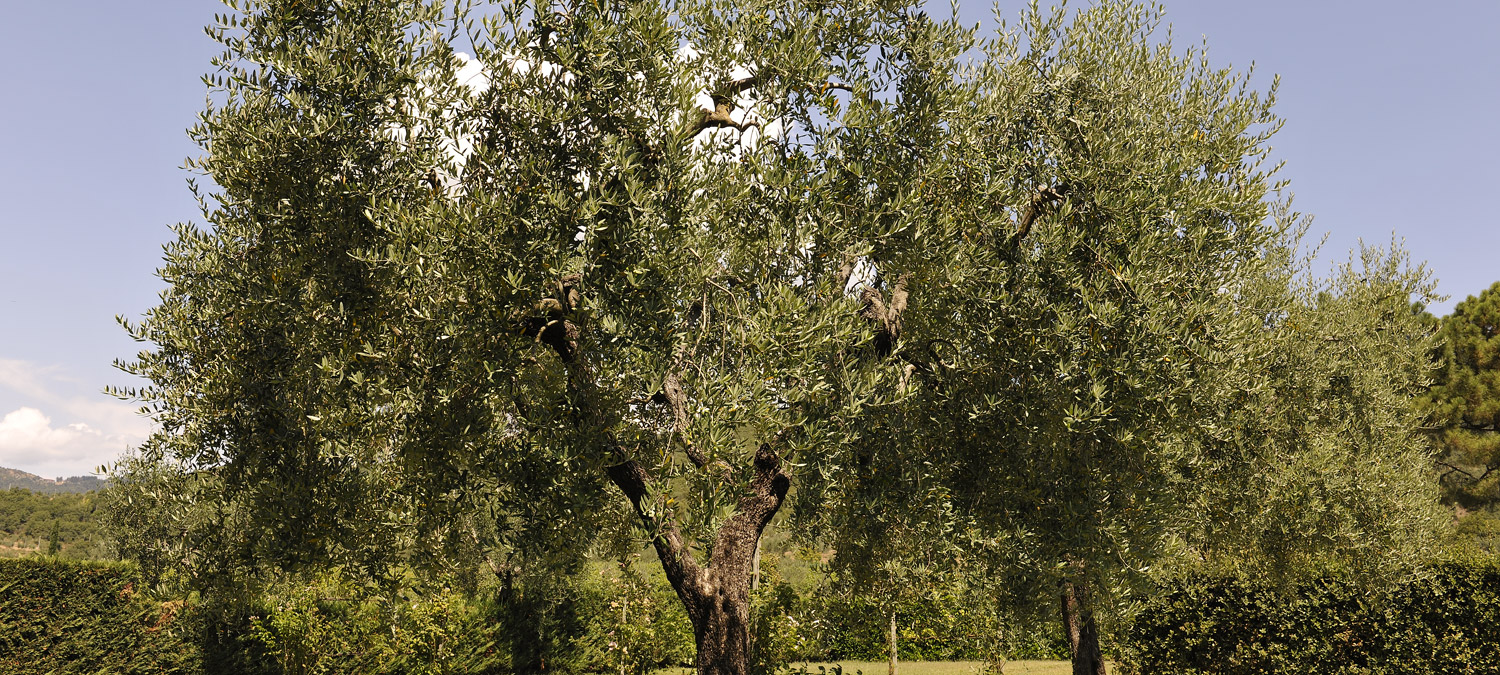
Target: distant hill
{"points": [[13, 478]]}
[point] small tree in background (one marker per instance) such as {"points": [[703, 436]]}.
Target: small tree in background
{"points": [[54, 542], [1316, 423]]}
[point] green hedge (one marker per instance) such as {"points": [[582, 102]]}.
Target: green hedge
{"points": [[85, 617], [60, 616], [1446, 622]]}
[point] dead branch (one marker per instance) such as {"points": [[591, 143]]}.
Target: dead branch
{"points": [[1043, 198], [722, 114]]}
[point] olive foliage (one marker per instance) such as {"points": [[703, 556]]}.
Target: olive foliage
{"points": [[1129, 369], [434, 323]]}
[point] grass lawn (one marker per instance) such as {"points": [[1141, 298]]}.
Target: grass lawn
{"points": [[924, 668], [947, 667]]}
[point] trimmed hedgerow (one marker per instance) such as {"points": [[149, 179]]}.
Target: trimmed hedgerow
{"points": [[1447, 621], [85, 617]]}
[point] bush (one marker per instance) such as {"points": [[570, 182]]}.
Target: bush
{"points": [[1446, 622], [86, 617], [641, 624], [309, 634], [62, 617]]}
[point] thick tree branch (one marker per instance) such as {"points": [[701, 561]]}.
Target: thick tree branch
{"points": [[735, 544], [551, 326], [548, 321], [735, 87], [841, 278], [676, 559], [724, 98], [674, 396], [886, 316]]}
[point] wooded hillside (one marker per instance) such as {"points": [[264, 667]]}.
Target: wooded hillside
{"points": [[28, 520]]}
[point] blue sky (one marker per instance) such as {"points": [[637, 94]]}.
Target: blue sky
{"points": [[1391, 128]]}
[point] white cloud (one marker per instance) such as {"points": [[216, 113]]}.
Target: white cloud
{"points": [[29, 442], [63, 425], [458, 137]]}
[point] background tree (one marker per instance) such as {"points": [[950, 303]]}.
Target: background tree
{"points": [[54, 541], [1315, 423], [1465, 406], [1121, 294]]}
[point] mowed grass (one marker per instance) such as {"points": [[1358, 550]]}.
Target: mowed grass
{"points": [[946, 667], [922, 668]]}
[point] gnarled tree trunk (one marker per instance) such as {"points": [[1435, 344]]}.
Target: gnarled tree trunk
{"points": [[716, 596], [1081, 631]]}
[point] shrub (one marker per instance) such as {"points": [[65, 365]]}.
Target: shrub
{"points": [[1448, 621], [641, 624], [309, 634], [825, 626], [86, 617]]}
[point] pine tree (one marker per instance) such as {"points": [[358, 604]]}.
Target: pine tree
{"points": [[1465, 407]]}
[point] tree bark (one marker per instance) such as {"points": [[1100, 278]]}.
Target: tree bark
{"points": [[716, 596], [1080, 630], [755, 567]]}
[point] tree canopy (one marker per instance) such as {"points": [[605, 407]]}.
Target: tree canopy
{"points": [[1130, 367], [634, 270], [429, 321]]}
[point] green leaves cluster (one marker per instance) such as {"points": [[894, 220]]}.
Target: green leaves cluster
{"points": [[424, 315]]}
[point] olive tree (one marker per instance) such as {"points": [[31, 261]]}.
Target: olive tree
{"points": [[621, 265], [1315, 452], [1082, 383], [1125, 195]]}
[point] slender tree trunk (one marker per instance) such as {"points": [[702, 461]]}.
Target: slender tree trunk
{"points": [[1081, 631], [624, 621], [891, 670]]}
